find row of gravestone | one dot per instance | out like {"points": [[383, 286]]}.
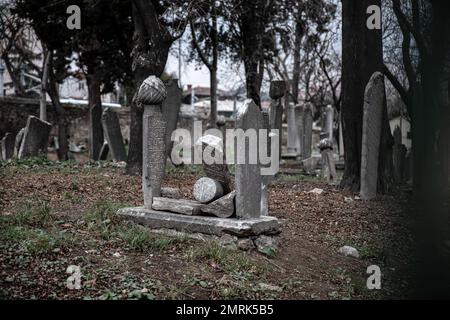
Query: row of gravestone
{"points": [[31, 141]]}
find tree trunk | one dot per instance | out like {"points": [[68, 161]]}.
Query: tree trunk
{"points": [[362, 55], [43, 97], [95, 116], [59, 114], [213, 69], [150, 54], [296, 67]]}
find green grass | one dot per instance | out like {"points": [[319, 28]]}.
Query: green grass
{"points": [[230, 260], [31, 212]]}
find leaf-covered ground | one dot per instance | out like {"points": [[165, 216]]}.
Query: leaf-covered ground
{"points": [[56, 215]]}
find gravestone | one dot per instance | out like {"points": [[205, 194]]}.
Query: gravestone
{"points": [[248, 176], [307, 131], [328, 165], [329, 119], [300, 130], [7, 146], [151, 94], [212, 147], [171, 108], [374, 102], [113, 135], [207, 190], [277, 91], [103, 155], [18, 142], [293, 143], [35, 138]]}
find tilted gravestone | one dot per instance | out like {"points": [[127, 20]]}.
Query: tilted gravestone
{"points": [[374, 102], [151, 94], [307, 131], [7, 146], [113, 135], [171, 108], [18, 142], [248, 175], [35, 138]]}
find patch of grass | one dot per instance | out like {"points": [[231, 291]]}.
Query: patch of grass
{"points": [[31, 212], [102, 218], [230, 260], [33, 241], [140, 239]]}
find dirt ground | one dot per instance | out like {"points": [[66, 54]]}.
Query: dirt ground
{"points": [[57, 215]]}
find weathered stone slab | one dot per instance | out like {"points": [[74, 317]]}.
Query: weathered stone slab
{"points": [[207, 190], [307, 132], [151, 94], [374, 102], [222, 207], [35, 138], [202, 224], [171, 108], [7, 146], [182, 206], [328, 165], [266, 179], [113, 135], [173, 193], [248, 176]]}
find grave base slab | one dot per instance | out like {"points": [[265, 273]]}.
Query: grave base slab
{"points": [[201, 224]]}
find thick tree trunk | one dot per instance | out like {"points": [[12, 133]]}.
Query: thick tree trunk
{"points": [[296, 67], [213, 83], [95, 115], [362, 55], [150, 54]]}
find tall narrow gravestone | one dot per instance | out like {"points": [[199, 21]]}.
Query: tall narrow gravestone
{"points": [[374, 102], [35, 138], [113, 135], [171, 108], [150, 95], [399, 156], [7, 146], [329, 119], [300, 130], [307, 131], [248, 175], [292, 138]]}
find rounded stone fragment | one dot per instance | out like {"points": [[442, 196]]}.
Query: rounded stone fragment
{"points": [[152, 91], [207, 190]]}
